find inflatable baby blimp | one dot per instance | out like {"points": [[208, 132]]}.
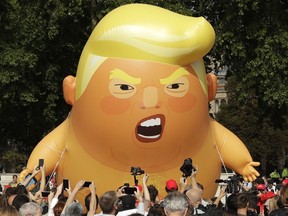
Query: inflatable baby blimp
{"points": [[140, 99]]}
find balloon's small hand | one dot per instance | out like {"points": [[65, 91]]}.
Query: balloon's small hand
{"points": [[249, 172]]}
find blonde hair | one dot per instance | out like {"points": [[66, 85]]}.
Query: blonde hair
{"points": [[142, 32]]}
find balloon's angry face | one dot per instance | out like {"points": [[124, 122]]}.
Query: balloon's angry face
{"points": [[137, 112]]}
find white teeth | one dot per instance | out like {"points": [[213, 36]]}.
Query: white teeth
{"points": [[151, 122], [149, 137]]}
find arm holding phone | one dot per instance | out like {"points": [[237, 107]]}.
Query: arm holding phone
{"points": [[73, 194], [43, 178], [92, 206], [34, 173], [222, 193], [193, 178], [182, 184], [140, 206], [53, 199]]}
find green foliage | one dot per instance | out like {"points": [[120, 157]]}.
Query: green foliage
{"points": [[13, 161]]}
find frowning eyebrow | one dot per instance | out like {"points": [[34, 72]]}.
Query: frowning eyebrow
{"points": [[119, 74], [174, 76]]}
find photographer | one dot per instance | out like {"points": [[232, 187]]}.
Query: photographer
{"points": [[128, 202]]}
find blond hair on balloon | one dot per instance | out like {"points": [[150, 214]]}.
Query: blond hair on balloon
{"points": [[143, 32]]}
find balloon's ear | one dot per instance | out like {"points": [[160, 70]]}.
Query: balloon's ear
{"points": [[212, 86], [69, 84]]}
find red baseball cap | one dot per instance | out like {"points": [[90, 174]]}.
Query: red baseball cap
{"points": [[284, 182], [171, 185], [261, 187]]}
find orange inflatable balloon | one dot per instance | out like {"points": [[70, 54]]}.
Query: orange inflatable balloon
{"points": [[140, 99]]}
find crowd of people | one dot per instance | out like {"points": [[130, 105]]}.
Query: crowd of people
{"points": [[262, 197]]}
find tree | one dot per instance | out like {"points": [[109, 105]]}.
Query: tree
{"points": [[252, 41]]}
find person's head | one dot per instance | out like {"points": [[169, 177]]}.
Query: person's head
{"points": [[15, 177], [128, 202], [194, 197], [19, 200], [21, 189], [284, 182], [153, 193], [9, 211], [231, 203], [242, 201], [258, 181], [175, 203], [214, 212], [30, 208], [201, 188], [74, 209], [8, 190], [156, 210], [58, 208], [87, 201], [284, 195], [108, 202], [261, 188], [171, 185], [279, 212], [146, 78], [252, 200]]}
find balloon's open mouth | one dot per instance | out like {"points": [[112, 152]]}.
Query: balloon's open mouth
{"points": [[150, 129]]}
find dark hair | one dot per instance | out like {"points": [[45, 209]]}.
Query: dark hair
{"points": [[62, 198], [128, 202], [156, 210], [242, 200], [107, 202], [170, 190], [20, 189], [259, 181], [19, 200], [200, 186], [279, 212], [87, 201], [253, 200], [153, 192], [57, 210], [231, 203]]}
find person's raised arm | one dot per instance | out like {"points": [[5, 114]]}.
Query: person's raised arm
{"points": [[193, 177], [43, 178], [73, 194], [92, 205], [140, 207], [222, 193], [146, 192], [182, 184], [26, 181]]}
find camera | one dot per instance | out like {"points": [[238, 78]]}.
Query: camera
{"points": [[136, 171], [187, 167], [129, 190], [232, 183]]}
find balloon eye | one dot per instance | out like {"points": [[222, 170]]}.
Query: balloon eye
{"points": [[175, 86], [178, 88], [125, 87], [121, 89]]}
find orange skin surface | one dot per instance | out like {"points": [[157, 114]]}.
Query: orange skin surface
{"points": [[110, 123], [100, 137]]}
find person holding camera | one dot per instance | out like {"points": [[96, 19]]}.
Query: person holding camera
{"points": [[128, 202]]}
